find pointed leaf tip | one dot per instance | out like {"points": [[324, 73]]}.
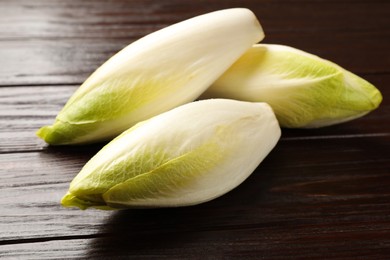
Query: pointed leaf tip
{"points": [[53, 134]]}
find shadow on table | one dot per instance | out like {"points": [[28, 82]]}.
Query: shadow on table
{"points": [[148, 232], [188, 232]]}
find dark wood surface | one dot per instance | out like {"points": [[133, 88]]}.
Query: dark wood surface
{"points": [[321, 194]]}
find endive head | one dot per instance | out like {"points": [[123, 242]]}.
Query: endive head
{"points": [[186, 156], [161, 71], [303, 89]]}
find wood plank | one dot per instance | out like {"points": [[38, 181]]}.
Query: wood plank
{"points": [[35, 62], [335, 182], [23, 110], [32, 185], [71, 61], [337, 243], [69, 249], [130, 19], [67, 40]]}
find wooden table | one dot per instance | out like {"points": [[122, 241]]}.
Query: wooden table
{"points": [[321, 194]]}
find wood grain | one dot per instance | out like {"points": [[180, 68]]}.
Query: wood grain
{"points": [[42, 19], [293, 177], [23, 110], [320, 194], [215, 244], [62, 42]]}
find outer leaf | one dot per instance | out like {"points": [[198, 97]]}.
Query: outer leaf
{"points": [[161, 71], [186, 156], [304, 90]]}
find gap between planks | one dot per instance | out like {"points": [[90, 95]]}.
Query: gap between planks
{"points": [[46, 239]]}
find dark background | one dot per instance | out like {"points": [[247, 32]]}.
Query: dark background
{"points": [[320, 194]]}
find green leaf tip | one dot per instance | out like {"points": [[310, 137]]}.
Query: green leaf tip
{"points": [[70, 200], [52, 135], [56, 134], [365, 89]]}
